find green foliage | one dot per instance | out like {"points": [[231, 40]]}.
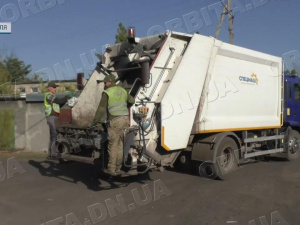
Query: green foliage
{"points": [[12, 70], [66, 87], [43, 86], [16, 68], [7, 129], [70, 87], [294, 72], [121, 35], [36, 77], [5, 78]]}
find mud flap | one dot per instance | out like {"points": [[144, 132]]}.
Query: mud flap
{"points": [[128, 143]]}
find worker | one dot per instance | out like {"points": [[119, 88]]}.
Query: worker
{"points": [[52, 109], [113, 111]]}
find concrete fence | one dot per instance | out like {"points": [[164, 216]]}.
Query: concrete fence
{"points": [[23, 126]]}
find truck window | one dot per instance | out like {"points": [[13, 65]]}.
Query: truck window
{"points": [[297, 92]]}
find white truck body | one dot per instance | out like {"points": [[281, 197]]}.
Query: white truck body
{"points": [[213, 87]]}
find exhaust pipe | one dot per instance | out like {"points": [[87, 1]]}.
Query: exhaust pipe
{"points": [[150, 151], [76, 158], [153, 155]]}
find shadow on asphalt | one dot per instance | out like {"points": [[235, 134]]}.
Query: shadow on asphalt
{"points": [[272, 159], [193, 168], [90, 175]]}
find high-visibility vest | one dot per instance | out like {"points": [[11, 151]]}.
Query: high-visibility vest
{"points": [[48, 107], [117, 101]]}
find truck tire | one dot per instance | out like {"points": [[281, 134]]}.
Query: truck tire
{"points": [[226, 157], [184, 162], [293, 147], [63, 147], [208, 170]]}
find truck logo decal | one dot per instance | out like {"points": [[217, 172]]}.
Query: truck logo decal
{"points": [[253, 79]]}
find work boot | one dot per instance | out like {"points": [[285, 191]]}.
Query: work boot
{"points": [[132, 172], [110, 172], [51, 157], [120, 172]]}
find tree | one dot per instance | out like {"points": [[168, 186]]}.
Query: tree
{"points": [[16, 68], [287, 71], [121, 35], [294, 72], [5, 85], [4, 74], [36, 77]]}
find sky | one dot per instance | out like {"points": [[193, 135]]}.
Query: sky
{"points": [[59, 38]]}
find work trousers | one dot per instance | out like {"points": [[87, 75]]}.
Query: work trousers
{"points": [[52, 121], [115, 142]]}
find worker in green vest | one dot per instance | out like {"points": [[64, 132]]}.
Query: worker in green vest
{"points": [[52, 109], [113, 107]]}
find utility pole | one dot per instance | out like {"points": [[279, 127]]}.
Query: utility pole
{"points": [[230, 22], [227, 10]]}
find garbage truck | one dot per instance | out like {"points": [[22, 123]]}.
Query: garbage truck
{"points": [[198, 101]]}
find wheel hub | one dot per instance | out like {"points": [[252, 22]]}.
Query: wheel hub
{"points": [[183, 159], [293, 146], [225, 158]]}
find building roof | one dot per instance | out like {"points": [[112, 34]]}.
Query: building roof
{"points": [[38, 82], [31, 98]]}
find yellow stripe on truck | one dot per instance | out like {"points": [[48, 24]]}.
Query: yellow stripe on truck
{"points": [[163, 139], [236, 129]]}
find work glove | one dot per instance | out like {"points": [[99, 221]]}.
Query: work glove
{"points": [[70, 95]]}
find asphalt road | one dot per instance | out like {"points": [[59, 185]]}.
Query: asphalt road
{"points": [[50, 193]]}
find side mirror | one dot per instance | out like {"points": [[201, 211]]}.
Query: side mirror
{"points": [[80, 85]]}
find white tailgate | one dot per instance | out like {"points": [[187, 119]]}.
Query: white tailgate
{"points": [[180, 102]]}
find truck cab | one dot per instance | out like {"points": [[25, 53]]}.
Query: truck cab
{"points": [[292, 101]]}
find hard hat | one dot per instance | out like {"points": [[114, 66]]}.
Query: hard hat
{"points": [[52, 84], [109, 78]]}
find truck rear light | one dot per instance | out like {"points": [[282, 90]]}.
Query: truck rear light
{"points": [[80, 81], [131, 32]]}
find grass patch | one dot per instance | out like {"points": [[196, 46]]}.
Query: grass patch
{"points": [[23, 155], [7, 129]]}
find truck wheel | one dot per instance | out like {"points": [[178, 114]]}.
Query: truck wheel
{"points": [[62, 147], [293, 148], [207, 170], [226, 157], [184, 162]]}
